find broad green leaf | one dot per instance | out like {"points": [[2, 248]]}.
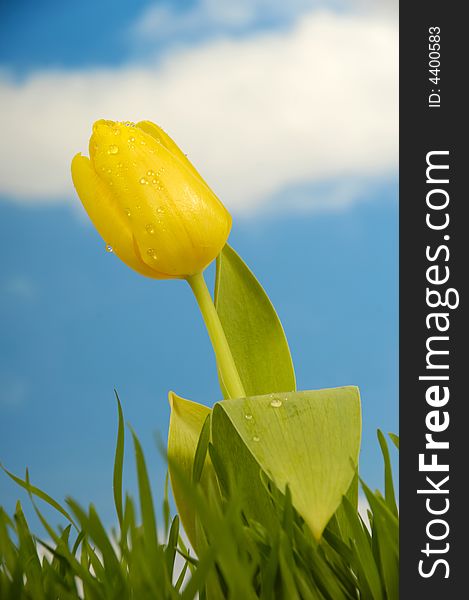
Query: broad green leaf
{"points": [[252, 328], [185, 425], [307, 440], [238, 471]]}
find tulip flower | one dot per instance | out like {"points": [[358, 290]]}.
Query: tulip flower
{"points": [[148, 202]]}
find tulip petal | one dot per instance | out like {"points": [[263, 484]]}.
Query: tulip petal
{"points": [[163, 138], [98, 203], [179, 224]]}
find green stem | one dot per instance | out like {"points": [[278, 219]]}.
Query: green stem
{"points": [[226, 364]]}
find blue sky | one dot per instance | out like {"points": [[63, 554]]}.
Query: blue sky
{"points": [[302, 151]]}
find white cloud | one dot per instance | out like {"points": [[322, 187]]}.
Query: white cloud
{"points": [[167, 20], [256, 115]]}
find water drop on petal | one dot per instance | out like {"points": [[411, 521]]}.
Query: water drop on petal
{"points": [[109, 248], [276, 403]]}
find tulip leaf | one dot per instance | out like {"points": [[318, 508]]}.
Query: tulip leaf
{"points": [[307, 440], [252, 327], [185, 426]]}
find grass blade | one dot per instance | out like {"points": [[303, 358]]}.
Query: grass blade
{"points": [[201, 450], [40, 494], [388, 482], [119, 463], [146, 500]]}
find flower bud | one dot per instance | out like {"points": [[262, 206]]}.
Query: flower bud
{"points": [[148, 202]]}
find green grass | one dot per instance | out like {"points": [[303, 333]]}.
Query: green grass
{"points": [[239, 559]]}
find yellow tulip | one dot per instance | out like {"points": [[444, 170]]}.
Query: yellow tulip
{"points": [[148, 202]]}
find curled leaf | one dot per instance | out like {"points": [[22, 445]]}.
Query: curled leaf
{"points": [[307, 440], [185, 426]]}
